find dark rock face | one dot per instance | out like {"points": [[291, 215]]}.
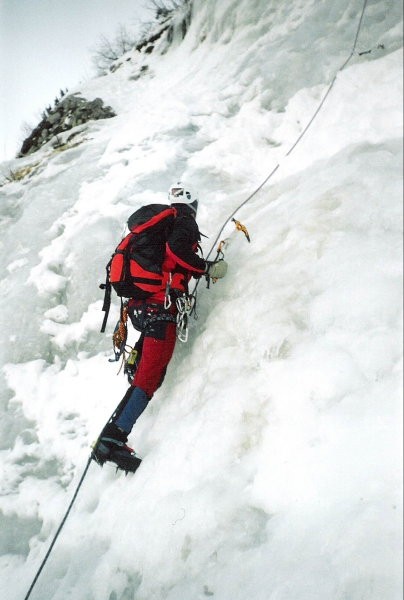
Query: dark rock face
{"points": [[66, 114]]}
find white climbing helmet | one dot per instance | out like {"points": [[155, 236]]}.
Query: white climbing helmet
{"points": [[182, 193]]}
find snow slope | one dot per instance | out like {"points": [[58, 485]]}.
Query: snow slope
{"points": [[272, 460]]}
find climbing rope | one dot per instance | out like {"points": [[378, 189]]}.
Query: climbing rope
{"points": [[302, 134], [231, 216], [59, 529]]}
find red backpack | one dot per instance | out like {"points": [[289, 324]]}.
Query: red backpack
{"points": [[135, 269]]}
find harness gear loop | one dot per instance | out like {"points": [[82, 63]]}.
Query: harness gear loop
{"points": [[120, 334], [130, 360], [185, 305]]}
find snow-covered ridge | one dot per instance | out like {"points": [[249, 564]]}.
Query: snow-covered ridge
{"points": [[271, 454]]}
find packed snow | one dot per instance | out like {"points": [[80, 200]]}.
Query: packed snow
{"points": [[272, 452]]}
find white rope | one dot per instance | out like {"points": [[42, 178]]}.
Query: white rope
{"points": [[302, 134]]}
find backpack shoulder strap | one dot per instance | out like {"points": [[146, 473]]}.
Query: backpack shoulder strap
{"points": [[148, 216]]}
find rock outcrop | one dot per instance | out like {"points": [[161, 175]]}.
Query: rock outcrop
{"points": [[67, 113]]}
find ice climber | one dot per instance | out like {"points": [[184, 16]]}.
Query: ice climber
{"points": [[157, 323]]}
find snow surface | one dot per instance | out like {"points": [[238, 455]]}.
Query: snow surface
{"points": [[272, 458]]}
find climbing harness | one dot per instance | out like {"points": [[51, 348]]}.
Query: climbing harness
{"points": [[142, 317], [146, 314], [162, 317], [193, 295]]}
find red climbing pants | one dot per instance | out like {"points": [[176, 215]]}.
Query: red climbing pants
{"points": [[157, 350]]}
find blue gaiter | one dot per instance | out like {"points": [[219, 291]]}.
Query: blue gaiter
{"points": [[134, 407]]}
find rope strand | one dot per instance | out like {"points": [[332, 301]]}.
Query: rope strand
{"points": [[301, 135], [58, 530]]}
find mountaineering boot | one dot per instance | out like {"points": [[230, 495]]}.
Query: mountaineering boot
{"points": [[111, 446]]}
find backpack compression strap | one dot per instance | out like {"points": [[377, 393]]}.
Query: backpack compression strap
{"points": [[107, 297]]}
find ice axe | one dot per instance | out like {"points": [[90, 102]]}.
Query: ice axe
{"points": [[223, 243]]}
